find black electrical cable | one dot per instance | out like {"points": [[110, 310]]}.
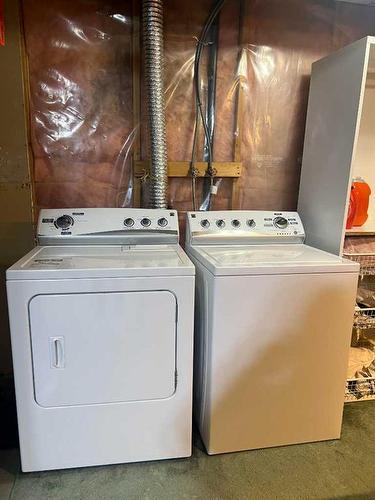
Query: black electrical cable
{"points": [[198, 52], [198, 102], [192, 164], [212, 49]]}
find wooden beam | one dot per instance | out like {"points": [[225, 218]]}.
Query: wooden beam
{"points": [[136, 98], [182, 168]]}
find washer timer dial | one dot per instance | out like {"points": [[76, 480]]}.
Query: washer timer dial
{"points": [[280, 222]]}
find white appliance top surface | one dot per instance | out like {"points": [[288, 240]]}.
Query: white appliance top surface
{"points": [[269, 259], [109, 261]]}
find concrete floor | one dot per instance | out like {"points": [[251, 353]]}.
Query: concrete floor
{"points": [[336, 469]]}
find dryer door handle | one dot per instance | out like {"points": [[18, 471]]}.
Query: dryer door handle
{"points": [[57, 352]]}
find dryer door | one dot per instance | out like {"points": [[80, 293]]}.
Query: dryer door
{"points": [[92, 348]]}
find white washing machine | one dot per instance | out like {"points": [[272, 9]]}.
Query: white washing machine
{"points": [[273, 326], [102, 337]]}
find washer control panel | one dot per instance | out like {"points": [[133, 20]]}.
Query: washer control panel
{"points": [[107, 225], [244, 226]]}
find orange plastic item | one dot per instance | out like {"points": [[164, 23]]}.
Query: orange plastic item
{"points": [[361, 191], [351, 210]]}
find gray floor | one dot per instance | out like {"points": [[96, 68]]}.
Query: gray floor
{"points": [[336, 469]]}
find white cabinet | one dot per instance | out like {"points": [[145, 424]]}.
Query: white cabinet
{"points": [[339, 143]]}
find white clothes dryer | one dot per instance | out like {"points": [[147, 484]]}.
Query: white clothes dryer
{"points": [[273, 326], [101, 328]]}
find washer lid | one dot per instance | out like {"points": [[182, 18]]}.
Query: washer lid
{"points": [[269, 259], [58, 262]]}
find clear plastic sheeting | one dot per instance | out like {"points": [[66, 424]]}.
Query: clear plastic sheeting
{"points": [[85, 127], [79, 57]]}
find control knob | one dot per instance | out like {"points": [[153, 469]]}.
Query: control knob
{"points": [[145, 222], [280, 222], [205, 223], [64, 222], [220, 223], [236, 223], [162, 222], [129, 222], [251, 223]]}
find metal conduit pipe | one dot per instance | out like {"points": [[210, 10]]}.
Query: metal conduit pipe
{"points": [[153, 44]]}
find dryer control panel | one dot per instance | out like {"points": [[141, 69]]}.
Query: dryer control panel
{"points": [[243, 227], [93, 226]]}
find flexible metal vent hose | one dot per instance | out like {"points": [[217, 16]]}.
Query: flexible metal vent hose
{"points": [[152, 12]]}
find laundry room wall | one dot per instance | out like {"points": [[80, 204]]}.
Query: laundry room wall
{"points": [[16, 229], [84, 124]]}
